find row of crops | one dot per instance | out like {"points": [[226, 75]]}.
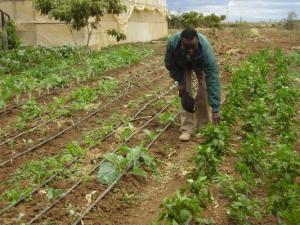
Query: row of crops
{"points": [[73, 167], [34, 113], [40, 69], [261, 103], [36, 172], [45, 179]]}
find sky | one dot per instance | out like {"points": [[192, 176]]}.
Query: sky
{"points": [[251, 10]]}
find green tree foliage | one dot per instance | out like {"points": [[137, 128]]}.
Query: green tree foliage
{"points": [[13, 40], [192, 19], [78, 13], [290, 22], [213, 21], [195, 19]]}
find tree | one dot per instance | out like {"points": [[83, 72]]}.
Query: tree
{"points": [[79, 13], [195, 19], [174, 21], [290, 21], [13, 39], [4, 30], [191, 19], [213, 21]]}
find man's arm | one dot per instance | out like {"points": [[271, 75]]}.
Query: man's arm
{"points": [[175, 73], [212, 76]]}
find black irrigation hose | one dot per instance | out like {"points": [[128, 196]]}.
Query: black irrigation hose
{"points": [[22, 198], [97, 166], [111, 186], [39, 97], [52, 119], [72, 126], [21, 104], [29, 130]]}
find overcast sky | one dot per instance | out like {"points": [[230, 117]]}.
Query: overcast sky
{"points": [[252, 10]]}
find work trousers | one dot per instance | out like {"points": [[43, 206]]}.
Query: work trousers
{"points": [[190, 122]]}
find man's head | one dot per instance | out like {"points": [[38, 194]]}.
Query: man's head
{"points": [[189, 40]]}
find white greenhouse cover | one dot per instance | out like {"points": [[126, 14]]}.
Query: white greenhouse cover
{"points": [[145, 20]]}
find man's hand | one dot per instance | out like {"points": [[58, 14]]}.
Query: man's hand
{"points": [[216, 117]]}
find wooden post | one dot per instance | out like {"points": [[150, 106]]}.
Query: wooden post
{"points": [[4, 31]]}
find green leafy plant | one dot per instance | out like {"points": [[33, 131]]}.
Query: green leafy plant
{"points": [[283, 197], [166, 118], [125, 132], [243, 208], [180, 209], [36, 171], [14, 195], [13, 40], [150, 134], [117, 163], [252, 154], [290, 216], [82, 98], [107, 87], [232, 187], [199, 187], [256, 116], [49, 221], [29, 111], [206, 161], [74, 149], [92, 137], [159, 103], [285, 165], [58, 107], [216, 137]]}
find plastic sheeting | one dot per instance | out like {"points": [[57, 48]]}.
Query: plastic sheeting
{"points": [[145, 20]]}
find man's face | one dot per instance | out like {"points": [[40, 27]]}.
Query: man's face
{"points": [[190, 46]]}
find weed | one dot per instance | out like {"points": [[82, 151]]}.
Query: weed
{"points": [[166, 118], [150, 134], [13, 195], [30, 110], [82, 98], [107, 87], [74, 149]]}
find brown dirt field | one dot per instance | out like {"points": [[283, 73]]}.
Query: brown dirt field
{"points": [[57, 144], [136, 201]]}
